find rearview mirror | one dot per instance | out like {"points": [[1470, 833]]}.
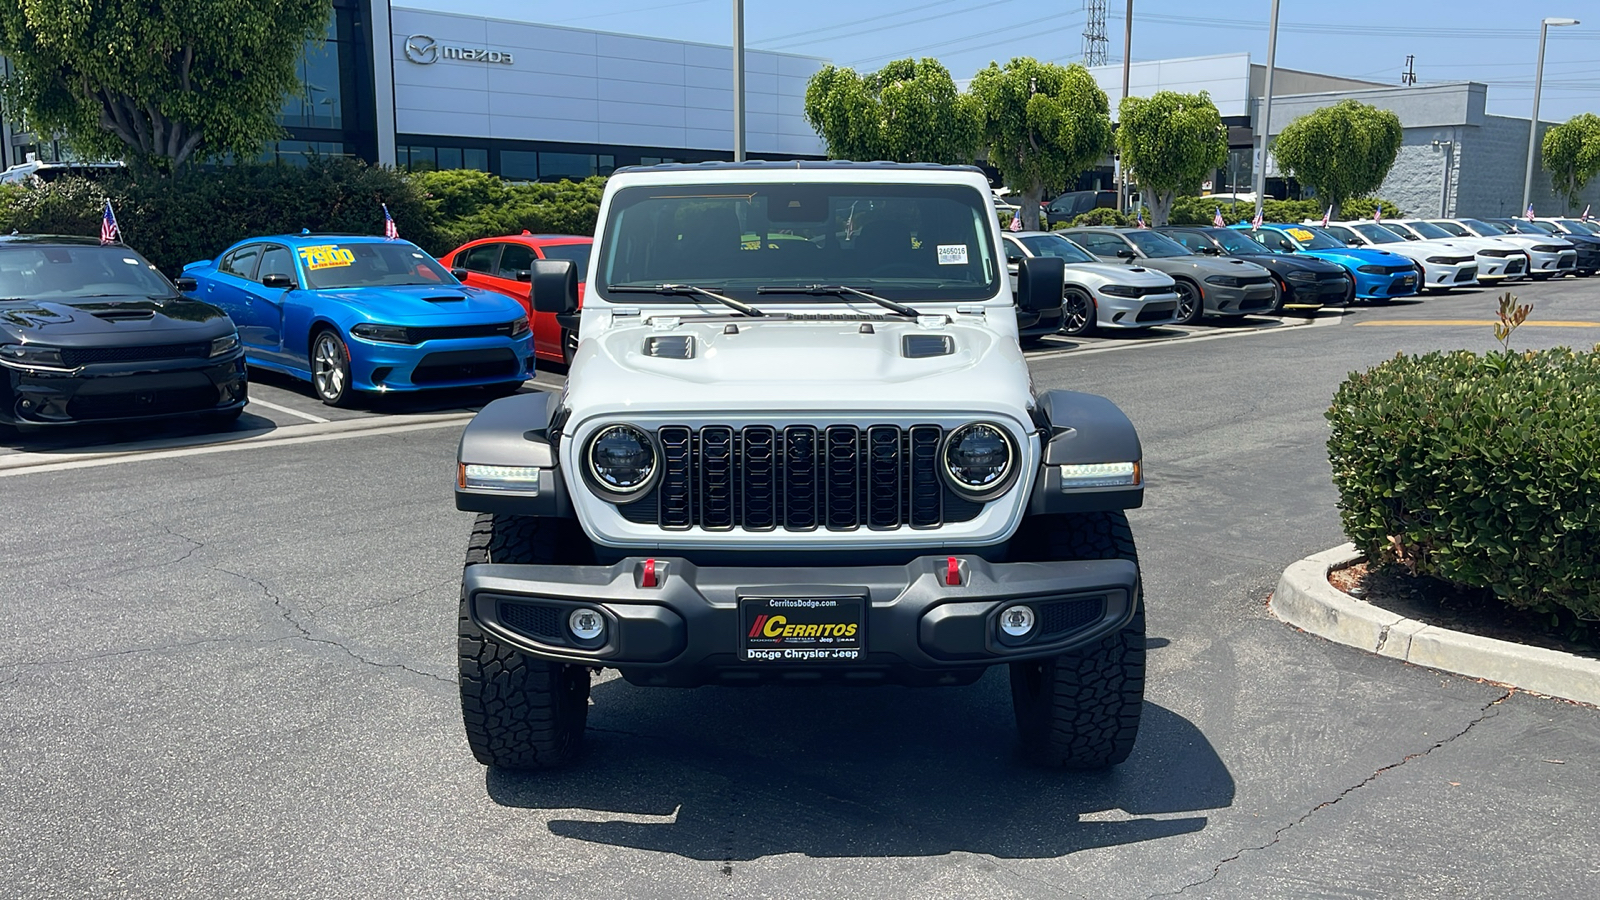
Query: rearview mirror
{"points": [[555, 286], [277, 281], [1039, 283]]}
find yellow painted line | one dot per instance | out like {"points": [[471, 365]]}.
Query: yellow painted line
{"points": [[1406, 322]]}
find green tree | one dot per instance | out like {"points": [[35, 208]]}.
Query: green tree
{"points": [[1042, 124], [1340, 151], [158, 84], [908, 111], [1169, 143], [1570, 152]]}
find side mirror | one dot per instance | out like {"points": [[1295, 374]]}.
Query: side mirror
{"points": [[1039, 281], [459, 273], [524, 275], [555, 286], [277, 280], [186, 284], [1126, 254], [1410, 237], [1352, 243], [1210, 251]]}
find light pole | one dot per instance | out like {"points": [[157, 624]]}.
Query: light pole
{"points": [[1444, 193], [1533, 125], [738, 80], [1127, 58], [1260, 180]]}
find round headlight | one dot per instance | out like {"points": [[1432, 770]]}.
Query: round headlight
{"points": [[622, 459], [979, 459]]}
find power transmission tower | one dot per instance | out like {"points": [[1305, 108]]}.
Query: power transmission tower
{"points": [[1409, 76], [1095, 41]]}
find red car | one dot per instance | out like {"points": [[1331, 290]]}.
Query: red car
{"points": [[493, 263]]}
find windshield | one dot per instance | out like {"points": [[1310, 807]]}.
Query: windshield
{"points": [[1452, 228], [1237, 242], [1577, 227], [1156, 246], [1057, 246], [929, 242], [1534, 228], [1313, 238], [1483, 227], [37, 272], [370, 264], [1431, 231], [1377, 234], [577, 254]]}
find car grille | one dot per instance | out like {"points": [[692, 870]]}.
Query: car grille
{"points": [[452, 332], [1567, 262], [1397, 270], [1470, 273], [464, 365], [800, 478], [1066, 616], [1253, 280], [142, 403], [72, 357], [1513, 266]]}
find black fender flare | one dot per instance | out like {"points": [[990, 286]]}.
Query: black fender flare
{"points": [[1078, 429], [520, 430]]}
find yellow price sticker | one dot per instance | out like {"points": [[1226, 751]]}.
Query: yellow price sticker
{"points": [[326, 256], [1300, 234]]}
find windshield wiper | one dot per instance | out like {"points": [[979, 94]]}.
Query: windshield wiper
{"points": [[842, 290], [692, 290]]}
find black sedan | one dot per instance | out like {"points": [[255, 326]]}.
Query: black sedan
{"points": [[91, 332], [1304, 284]]}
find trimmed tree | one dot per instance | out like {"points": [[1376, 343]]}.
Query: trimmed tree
{"points": [[1170, 142], [908, 111], [1340, 151], [158, 84], [1043, 124], [1570, 153]]}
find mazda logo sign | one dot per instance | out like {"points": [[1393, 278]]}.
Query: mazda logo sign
{"points": [[422, 49]]}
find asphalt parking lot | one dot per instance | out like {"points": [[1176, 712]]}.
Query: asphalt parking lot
{"points": [[227, 670]]}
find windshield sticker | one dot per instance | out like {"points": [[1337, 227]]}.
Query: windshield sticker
{"points": [[326, 256], [1300, 234], [952, 254]]}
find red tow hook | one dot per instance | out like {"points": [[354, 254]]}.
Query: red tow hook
{"points": [[952, 573], [648, 578]]}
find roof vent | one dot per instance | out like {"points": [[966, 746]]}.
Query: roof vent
{"points": [[922, 346], [672, 346]]}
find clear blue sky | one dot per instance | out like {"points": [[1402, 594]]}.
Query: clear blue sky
{"points": [[1492, 41]]}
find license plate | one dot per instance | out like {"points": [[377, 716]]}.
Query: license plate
{"points": [[802, 629], [1409, 280]]}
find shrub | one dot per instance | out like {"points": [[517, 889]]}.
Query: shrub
{"points": [[1479, 470], [1100, 216], [1199, 210], [1362, 207]]}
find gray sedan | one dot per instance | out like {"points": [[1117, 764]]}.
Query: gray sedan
{"points": [[1207, 285]]}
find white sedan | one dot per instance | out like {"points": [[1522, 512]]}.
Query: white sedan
{"points": [[1098, 294], [1498, 260], [1547, 256], [1443, 266]]}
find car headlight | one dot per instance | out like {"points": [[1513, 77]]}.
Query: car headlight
{"points": [[1370, 270], [225, 344], [621, 460], [979, 459], [519, 327], [1548, 248], [1101, 475], [1222, 280], [1120, 290], [31, 355], [1441, 260], [388, 334]]}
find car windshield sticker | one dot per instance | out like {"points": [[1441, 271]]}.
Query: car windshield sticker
{"points": [[952, 254], [326, 256], [1300, 234]]}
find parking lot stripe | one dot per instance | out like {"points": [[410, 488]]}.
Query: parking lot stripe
{"points": [[256, 401], [1408, 323]]}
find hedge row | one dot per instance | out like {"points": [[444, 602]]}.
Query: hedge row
{"points": [[195, 215], [1483, 471], [1200, 210]]}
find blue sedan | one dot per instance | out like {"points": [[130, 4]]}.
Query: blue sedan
{"points": [[350, 313], [1379, 275]]}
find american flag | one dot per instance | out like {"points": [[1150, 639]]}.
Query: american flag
{"points": [[1016, 221], [109, 232], [1141, 218], [1217, 220], [1377, 212], [390, 232], [1256, 222], [1529, 213], [1326, 216], [1585, 216]]}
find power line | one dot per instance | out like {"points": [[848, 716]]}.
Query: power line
{"points": [[888, 15], [1029, 26], [890, 27]]}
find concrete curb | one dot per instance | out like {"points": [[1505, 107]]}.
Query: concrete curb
{"points": [[1306, 600]]}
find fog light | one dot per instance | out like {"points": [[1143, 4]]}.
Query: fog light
{"points": [[1016, 621], [586, 624]]}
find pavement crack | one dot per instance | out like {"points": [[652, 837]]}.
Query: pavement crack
{"points": [[163, 648], [183, 537], [1486, 712]]}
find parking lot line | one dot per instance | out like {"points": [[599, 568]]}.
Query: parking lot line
{"points": [[1425, 322], [1111, 346], [257, 401]]}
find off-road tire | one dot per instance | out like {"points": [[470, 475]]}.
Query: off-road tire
{"points": [[1080, 710], [519, 712]]}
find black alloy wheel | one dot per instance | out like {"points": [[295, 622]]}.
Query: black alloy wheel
{"points": [[1191, 305], [1077, 312]]}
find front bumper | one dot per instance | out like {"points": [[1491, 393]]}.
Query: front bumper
{"points": [[1545, 263], [1372, 287], [122, 392], [1135, 312], [1500, 268], [1221, 300], [1324, 292], [1441, 275], [446, 363], [687, 630]]}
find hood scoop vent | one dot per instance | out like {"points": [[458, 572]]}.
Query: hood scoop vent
{"points": [[922, 346], [671, 346], [117, 315], [446, 298]]}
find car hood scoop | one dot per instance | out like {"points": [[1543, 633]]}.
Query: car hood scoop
{"points": [[115, 314]]}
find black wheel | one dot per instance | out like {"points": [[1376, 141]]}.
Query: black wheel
{"points": [[1077, 312], [1191, 306], [1081, 710], [330, 369], [519, 712], [1280, 296]]}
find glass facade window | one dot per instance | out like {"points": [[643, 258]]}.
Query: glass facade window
{"points": [[416, 158], [318, 97], [474, 158], [573, 166], [519, 165], [297, 153]]}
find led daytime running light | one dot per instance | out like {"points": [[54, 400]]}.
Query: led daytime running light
{"points": [[1101, 475], [503, 479]]}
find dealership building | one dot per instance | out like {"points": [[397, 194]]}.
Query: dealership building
{"points": [[1455, 158], [420, 88]]}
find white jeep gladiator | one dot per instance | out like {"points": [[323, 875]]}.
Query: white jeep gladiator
{"points": [[798, 443]]}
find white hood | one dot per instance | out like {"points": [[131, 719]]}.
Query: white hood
{"points": [[1101, 274]]}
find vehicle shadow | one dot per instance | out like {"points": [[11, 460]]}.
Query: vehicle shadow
{"points": [[185, 430], [739, 774], [396, 404]]}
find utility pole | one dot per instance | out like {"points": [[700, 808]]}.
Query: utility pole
{"points": [[738, 80], [1095, 42], [1409, 76], [1127, 58], [1533, 124], [1266, 111]]}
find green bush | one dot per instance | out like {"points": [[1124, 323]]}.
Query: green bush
{"points": [[466, 205], [1362, 207], [1199, 210], [1101, 216], [1483, 471]]}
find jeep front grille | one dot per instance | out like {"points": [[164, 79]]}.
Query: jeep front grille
{"points": [[800, 478]]}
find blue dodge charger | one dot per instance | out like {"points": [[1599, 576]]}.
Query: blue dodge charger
{"points": [[350, 313]]}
